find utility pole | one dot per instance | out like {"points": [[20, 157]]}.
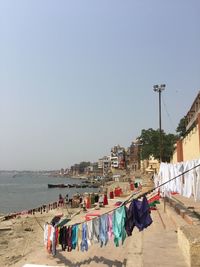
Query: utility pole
{"points": [[159, 89]]}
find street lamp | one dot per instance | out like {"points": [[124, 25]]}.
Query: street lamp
{"points": [[159, 89]]}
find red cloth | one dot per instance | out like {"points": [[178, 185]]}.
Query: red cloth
{"points": [[111, 194], [88, 203], [153, 208], [89, 215], [118, 203], [116, 192], [154, 198], [105, 200], [174, 193], [132, 186]]}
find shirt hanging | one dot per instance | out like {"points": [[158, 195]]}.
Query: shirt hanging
{"points": [[119, 231]]}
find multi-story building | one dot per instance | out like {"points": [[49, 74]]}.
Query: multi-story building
{"points": [[134, 155], [118, 157], [89, 170], [114, 162], [104, 164], [100, 163], [95, 170], [188, 147]]}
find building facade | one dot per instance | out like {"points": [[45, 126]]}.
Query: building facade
{"points": [[188, 147], [118, 157], [104, 164], [134, 156]]}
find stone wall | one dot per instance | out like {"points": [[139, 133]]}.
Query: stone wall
{"points": [[189, 243], [189, 146]]}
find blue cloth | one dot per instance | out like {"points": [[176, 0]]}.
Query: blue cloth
{"points": [[103, 229], [84, 243], [138, 214], [74, 236]]}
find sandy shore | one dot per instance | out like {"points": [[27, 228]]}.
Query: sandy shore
{"points": [[21, 238]]}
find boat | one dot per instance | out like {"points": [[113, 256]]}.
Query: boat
{"points": [[57, 185], [85, 182], [73, 185]]}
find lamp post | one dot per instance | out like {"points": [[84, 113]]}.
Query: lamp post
{"points": [[159, 89]]}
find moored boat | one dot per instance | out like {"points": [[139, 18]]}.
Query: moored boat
{"points": [[57, 185], [73, 185]]}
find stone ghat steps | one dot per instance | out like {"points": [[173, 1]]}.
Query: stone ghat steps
{"points": [[190, 213], [185, 215]]}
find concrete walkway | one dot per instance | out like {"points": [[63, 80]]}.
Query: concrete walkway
{"points": [[157, 246]]}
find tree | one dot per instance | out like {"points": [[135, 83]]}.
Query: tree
{"points": [[83, 165], [181, 129], [150, 140], [168, 146]]}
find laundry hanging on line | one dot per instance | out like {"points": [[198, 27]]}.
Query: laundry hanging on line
{"points": [[169, 184], [188, 184], [113, 226]]}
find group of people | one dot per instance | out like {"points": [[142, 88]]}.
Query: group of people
{"points": [[84, 201], [62, 201]]}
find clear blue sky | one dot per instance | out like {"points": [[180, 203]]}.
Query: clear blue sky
{"points": [[76, 77]]}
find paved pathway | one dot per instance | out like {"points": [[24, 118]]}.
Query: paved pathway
{"points": [[160, 247]]}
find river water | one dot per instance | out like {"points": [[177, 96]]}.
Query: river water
{"points": [[28, 190]]}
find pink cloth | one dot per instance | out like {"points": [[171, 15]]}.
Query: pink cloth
{"points": [[110, 230]]}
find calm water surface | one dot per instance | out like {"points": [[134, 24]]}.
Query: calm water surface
{"points": [[29, 190]]}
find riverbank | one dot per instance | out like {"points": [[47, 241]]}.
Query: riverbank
{"points": [[21, 237]]}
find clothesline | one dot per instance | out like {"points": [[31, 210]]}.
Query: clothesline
{"points": [[135, 193], [103, 227], [118, 224], [143, 194]]}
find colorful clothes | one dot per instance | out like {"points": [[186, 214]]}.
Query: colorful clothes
{"points": [[84, 243], [119, 231], [95, 223], [103, 229], [74, 236], [110, 227]]}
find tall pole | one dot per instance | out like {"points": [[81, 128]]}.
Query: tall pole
{"points": [[160, 126], [159, 89]]}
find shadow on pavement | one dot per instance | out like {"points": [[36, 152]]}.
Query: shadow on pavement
{"points": [[115, 263]]}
